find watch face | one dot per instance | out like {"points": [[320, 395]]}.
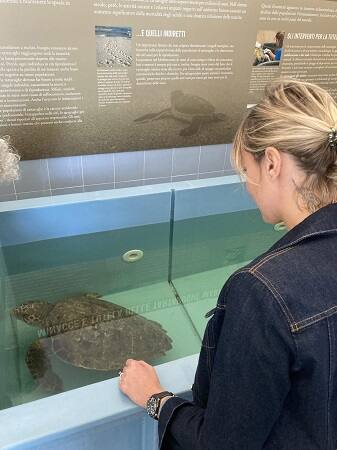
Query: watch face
{"points": [[152, 405]]}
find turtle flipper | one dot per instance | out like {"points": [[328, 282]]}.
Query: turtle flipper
{"points": [[220, 117], [194, 127], [154, 116], [40, 368], [146, 117]]}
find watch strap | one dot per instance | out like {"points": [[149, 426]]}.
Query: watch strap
{"points": [[162, 394], [157, 397]]}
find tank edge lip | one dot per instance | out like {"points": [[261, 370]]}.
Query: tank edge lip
{"points": [[80, 408]]}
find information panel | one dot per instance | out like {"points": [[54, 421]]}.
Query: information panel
{"points": [[84, 76]]}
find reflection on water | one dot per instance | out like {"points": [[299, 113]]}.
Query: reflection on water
{"points": [[57, 334]]}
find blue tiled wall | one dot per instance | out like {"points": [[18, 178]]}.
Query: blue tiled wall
{"points": [[55, 176]]}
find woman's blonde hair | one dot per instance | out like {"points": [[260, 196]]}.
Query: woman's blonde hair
{"points": [[9, 161], [296, 118]]}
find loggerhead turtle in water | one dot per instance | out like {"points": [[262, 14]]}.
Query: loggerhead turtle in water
{"points": [[88, 332], [188, 108]]}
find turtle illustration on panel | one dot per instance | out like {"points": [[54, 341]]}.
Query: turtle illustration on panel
{"points": [[87, 331], [188, 108]]}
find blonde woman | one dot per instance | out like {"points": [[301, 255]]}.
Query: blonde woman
{"points": [[267, 372], [9, 161]]}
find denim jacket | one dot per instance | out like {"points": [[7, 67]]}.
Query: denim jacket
{"points": [[267, 371]]}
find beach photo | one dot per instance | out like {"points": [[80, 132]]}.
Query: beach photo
{"points": [[113, 46]]}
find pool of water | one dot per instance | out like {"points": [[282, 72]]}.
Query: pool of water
{"points": [[177, 281]]}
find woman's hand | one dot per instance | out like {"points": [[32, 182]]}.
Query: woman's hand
{"points": [[139, 381]]}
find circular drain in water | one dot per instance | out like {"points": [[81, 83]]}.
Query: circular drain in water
{"points": [[133, 255]]}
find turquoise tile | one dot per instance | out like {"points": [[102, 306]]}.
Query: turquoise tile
{"points": [[99, 187], [129, 166], [158, 163], [150, 181], [211, 174], [228, 166], [33, 194], [126, 184], [7, 188], [65, 172], [67, 191], [212, 158], [191, 176], [33, 176], [98, 169], [185, 160], [7, 197]]}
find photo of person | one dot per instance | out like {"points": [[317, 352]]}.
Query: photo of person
{"points": [[268, 48]]}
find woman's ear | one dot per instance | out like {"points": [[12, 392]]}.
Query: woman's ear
{"points": [[272, 162]]}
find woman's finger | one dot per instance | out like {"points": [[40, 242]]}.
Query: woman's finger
{"points": [[143, 363], [128, 362]]}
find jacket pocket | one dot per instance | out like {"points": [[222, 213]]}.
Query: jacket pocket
{"points": [[208, 339]]}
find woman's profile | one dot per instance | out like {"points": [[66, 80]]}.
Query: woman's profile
{"points": [[267, 371], [277, 54]]}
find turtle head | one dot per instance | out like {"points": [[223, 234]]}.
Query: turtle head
{"points": [[176, 94], [32, 313]]}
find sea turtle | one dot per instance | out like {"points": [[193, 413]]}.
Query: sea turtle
{"points": [[188, 108], [87, 331]]}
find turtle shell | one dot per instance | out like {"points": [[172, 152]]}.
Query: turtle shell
{"points": [[190, 104], [89, 332]]}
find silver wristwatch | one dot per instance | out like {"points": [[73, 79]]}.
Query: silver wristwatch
{"points": [[153, 403]]}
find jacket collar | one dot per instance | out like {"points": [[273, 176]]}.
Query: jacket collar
{"points": [[321, 222]]}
